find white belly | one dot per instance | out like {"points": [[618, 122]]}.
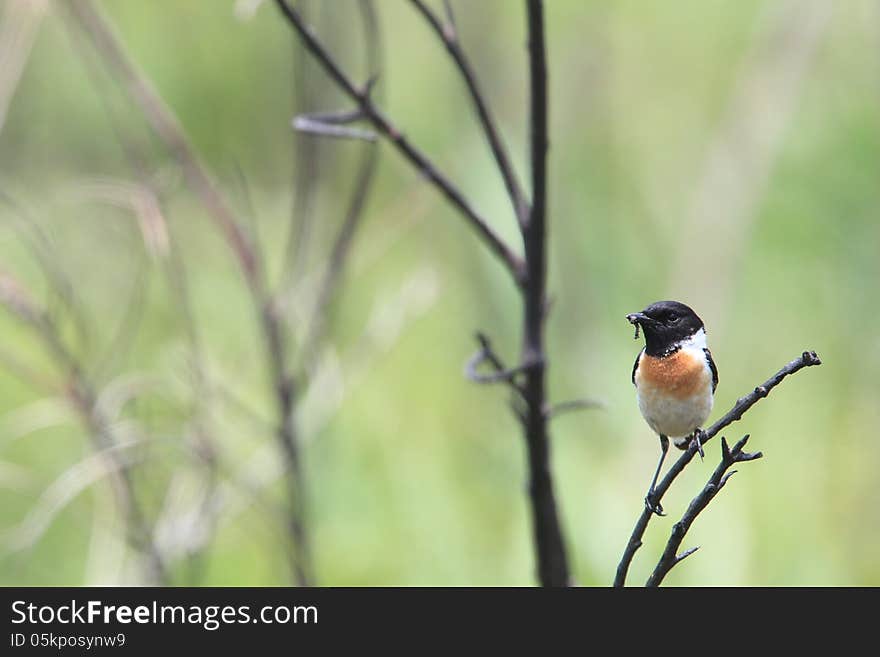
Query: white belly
{"points": [[672, 417]]}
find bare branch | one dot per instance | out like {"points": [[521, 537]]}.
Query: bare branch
{"points": [[743, 404], [419, 160], [447, 33], [669, 559]]}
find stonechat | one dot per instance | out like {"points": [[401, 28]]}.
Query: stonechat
{"points": [[675, 378]]}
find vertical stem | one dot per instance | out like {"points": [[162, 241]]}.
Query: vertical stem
{"points": [[552, 562], [283, 384]]}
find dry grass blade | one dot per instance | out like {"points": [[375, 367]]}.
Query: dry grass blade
{"points": [[65, 488], [132, 197]]}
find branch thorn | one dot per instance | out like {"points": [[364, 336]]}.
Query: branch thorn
{"points": [[725, 478], [684, 555]]}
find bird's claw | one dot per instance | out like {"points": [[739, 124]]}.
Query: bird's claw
{"points": [[699, 438], [653, 507]]}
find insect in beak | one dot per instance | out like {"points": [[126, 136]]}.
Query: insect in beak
{"points": [[635, 319]]}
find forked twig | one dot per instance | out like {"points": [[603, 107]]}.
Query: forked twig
{"points": [[501, 374], [670, 557]]}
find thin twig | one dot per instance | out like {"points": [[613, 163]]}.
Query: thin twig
{"points": [[670, 557], [554, 410], [501, 374], [743, 404], [338, 117], [284, 388], [311, 126], [361, 96], [449, 36]]}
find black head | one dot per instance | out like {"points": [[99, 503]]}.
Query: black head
{"points": [[665, 324]]}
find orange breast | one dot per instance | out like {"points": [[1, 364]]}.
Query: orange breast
{"points": [[681, 375]]}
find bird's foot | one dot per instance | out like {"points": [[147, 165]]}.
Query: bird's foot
{"points": [[699, 438], [652, 506]]}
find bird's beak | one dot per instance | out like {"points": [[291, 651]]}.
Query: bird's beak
{"points": [[638, 318]]}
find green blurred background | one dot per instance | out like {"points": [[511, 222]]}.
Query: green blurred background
{"points": [[724, 154]]}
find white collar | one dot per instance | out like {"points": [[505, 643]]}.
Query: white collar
{"points": [[696, 341]]}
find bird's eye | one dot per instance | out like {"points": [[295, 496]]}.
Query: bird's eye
{"points": [[673, 318]]}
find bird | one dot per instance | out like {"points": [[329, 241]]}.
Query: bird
{"points": [[675, 379]]}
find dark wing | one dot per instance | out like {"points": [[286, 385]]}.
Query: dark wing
{"points": [[636, 366], [711, 367]]}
